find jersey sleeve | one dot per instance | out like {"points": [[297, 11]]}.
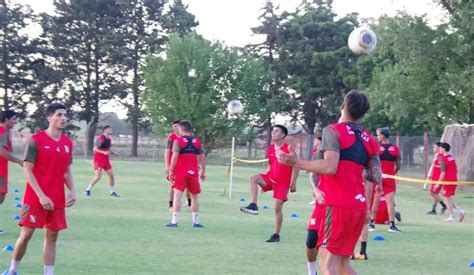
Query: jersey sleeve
{"points": [[99, 141], [396, 151], [169, 142], [330, 140], [31, 151], [4, 139]]}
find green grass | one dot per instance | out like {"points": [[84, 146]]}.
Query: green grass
{"points": [[126, 235]]}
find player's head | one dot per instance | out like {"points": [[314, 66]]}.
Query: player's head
{"points": [[185, 127], [175, 126], [107, 129], [57, 115], [8, 118], [355, 105], [436, 147], [383, 134], [445, 147], [279, 132]]}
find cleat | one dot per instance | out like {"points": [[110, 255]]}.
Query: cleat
{"points": [[275, 238], [371, 227], [433, 212], [449, 219], [1, 231], [394, 229], [398, 216], [312, 203], [172, 225], [250, 209], [461, 216], [360, 257], [198, 225], [114, 194], [87, 193], [443, 210], [8, 272]]}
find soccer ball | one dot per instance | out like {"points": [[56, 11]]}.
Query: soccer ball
{"points": [[362, 40], [192, 73], [235, 107]]}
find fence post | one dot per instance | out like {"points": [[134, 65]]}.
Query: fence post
{"points": [[231, 173], [425, 153]]}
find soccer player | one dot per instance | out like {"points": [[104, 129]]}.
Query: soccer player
{"points": [[102, 152], [185, 172], [8, 120], [168, 154], [434, 175], [280, 178], [449, 172], [46, 166], [369, 187], [347, 148], [390, 161]]}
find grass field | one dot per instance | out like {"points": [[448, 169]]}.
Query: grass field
{"points": [[126, 235]]}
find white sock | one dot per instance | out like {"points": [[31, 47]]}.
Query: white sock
{"points": [[196, 219], [89, 187], [48, 269], [311, 268], [175, 217], [13, 265], [112, 189]]}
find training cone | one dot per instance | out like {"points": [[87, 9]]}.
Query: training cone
{"points": [[294, 216], [8, 248], [16, 190], [16, 218], [18, 205], [265, 207], [242, 199], [379, 238], [471, 265], [17, 198]]}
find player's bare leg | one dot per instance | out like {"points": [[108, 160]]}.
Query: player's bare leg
{"points": [[254, 182], [459, 209], [362, 255], [49, 250], [329, 263], [20, 248], [436, 200], [171, 197], [345, 267], [2, 197], [390, 199], [278, 221], [176, 208], [110, 173], [188, 197], [450, 209], [195, 211], [94, 181], [375, 206], [311, 251]]}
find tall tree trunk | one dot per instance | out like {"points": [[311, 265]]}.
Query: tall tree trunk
{"points": [[268, 127], [6, 102], [135, 114]]}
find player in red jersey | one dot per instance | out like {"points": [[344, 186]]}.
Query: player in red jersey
{"points": [[390, 162], [449, 172], [434, 175], [347, 148], [46, 166], [187, 166], [280, 178], [8, 120], [102, 152], [168, 154]]}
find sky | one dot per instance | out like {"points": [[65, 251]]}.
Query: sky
{"points": [[230, 20]]}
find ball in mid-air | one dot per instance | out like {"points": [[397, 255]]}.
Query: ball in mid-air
{"points": [[192, 73], [235, 107], [362, 40]]}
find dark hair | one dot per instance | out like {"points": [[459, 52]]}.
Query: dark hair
{"points": [[319, 138], [384, 131], [7, 114], [357, 104], [283, 128], [105, 127], [446, 146], [186, 125], [177, 121], [438, 143], [53, 107]]}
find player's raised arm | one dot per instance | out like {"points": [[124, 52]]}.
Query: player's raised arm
{"points": [[31, 153]]}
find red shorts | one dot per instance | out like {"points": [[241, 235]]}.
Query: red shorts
{"points": [[382, 212], [280, 190], [389, 186], [3, 184], [449, 190], [191, 183], [435, 188], [102, 164], [37, 217], [340, 229], [316, 217]]}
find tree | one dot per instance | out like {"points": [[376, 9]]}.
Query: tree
{"points": [[178, 20], [222, 74], [85, 46], [319, 65], [17, 54]]}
